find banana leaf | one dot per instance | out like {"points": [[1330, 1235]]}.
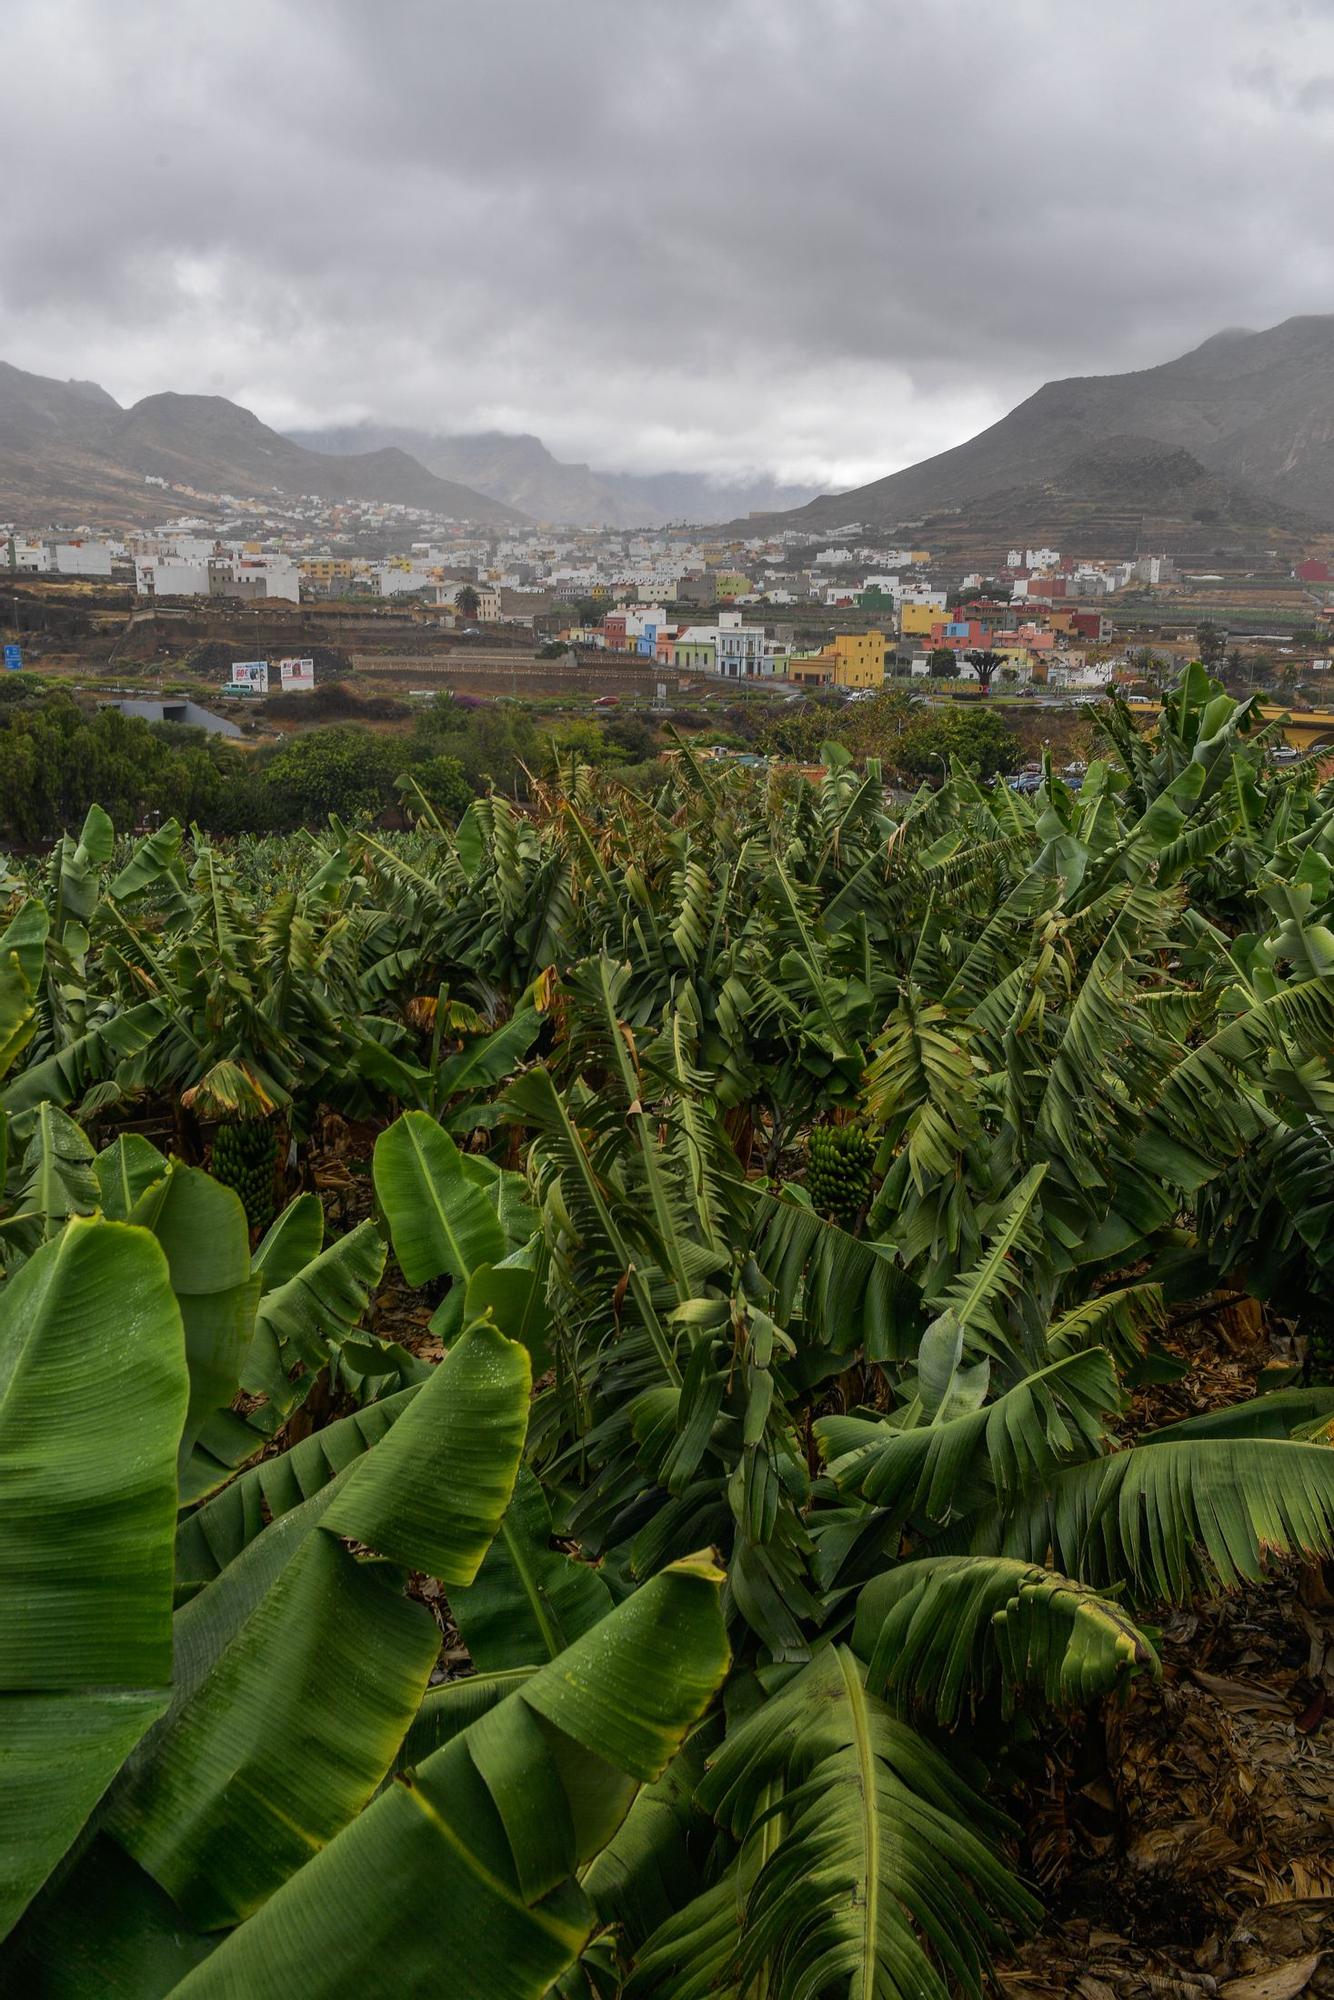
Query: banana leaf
{"points": [[86, 1555], [473, 1854]]}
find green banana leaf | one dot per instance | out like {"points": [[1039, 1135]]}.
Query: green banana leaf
{"points": [[201, 1226], [439, 1219], [473, 1854], [454, 1706], [285, 1740], [17, 1010], [215, 1534], [293, 1240], [514, 1293], [86, 1554], [299, 1319], [25, 937], [126, 1169], [529, 1601], [57, 1178], [436, 1499], [303, 1665], [105, 1931]]}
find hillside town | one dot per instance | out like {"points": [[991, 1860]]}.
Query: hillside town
{"points": [[843, 614]]}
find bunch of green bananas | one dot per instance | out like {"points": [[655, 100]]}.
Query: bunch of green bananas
{"points": [[1320, 1353], [839, 1160], [245, 1157]]}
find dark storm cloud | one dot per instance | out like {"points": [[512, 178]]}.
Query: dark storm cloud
{"points": [[823, 235]]}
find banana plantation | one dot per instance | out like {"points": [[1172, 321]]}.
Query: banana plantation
{"points": [[795, 1195]]}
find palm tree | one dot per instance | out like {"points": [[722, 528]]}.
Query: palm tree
{"points": [[984, 665], [467, 603]]}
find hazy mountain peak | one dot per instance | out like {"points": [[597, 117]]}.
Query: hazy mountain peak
{"points": [[517, 467]]}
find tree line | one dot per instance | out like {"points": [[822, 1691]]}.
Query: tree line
{"points": [[58, 756]]}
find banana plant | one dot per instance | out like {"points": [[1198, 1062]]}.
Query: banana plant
{"points": [[211, 1786], [1086, 1040]]}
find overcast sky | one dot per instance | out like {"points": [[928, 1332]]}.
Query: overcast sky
{"points": [[823, 237]]}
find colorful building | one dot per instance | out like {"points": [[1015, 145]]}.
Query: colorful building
{"points": [[324, 570], [962, 635], [916, 620], [850, 660]]}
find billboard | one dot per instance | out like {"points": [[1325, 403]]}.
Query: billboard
{"points": [[297, 676], [253, 675]]}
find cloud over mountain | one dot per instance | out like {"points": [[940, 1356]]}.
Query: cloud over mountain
{"points": [[819, 240]]}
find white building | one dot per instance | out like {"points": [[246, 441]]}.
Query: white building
{"points": [[741, 652], [31, 558], [177, 547], [487, 595], [82, 558], [278, 574], [171, 576], [395, 580], [1073, 669], [177, 573]]}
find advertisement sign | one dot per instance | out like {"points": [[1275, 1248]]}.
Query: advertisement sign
{"points": [[297, 676], [13, 658], [253, 675]]}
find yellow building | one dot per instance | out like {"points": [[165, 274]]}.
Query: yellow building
{"points": [[850, 660], [324, 569], [916, 620]]}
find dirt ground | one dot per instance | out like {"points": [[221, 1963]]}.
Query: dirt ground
{"points": [[1184, 1843]]}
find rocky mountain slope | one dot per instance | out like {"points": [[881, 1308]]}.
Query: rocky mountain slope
{"points": [[67, 449], [1254, 412]]}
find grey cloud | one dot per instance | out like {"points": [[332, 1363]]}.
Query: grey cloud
{"points": [[826, 236]]}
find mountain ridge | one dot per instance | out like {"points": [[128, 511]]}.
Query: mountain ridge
{"points": [[71, 444], [1254, 410], [517, 467]]}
